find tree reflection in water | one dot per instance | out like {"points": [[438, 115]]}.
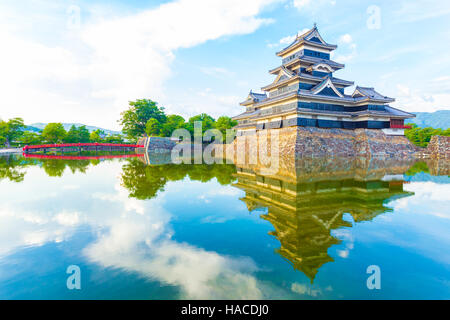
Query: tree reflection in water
{"points": [[13, 167], [144, 181]]}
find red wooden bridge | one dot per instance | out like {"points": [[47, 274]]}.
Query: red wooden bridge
{"points": [[71, 147], [109, 156]]}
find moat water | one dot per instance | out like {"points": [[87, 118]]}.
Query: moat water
{"points": [[165, 231]]}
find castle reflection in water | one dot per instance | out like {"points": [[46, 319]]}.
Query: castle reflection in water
{"points": [[306, 208]]}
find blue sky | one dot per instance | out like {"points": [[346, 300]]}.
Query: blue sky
{"points": [[81, 61]]}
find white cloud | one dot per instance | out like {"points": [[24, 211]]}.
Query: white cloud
{"points": [[439, 79], [345, 38], [90, 74], [343, 253], [310, 5], [67, 218], [419, 10], [403, 91], [306, 289], [397, 53], [434, 195], [130, 204], [285, 41], [416, 101], [346, 45], [208, 101], [216, 71], [300, 4]]}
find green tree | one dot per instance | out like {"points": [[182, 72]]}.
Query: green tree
{"points": [[115, 138], [153, 127], [83, 134], [11, 131], [77, 134], [3, 132], [206, 120], [172, 123], [54, 133], [224, 123], [72, 135], [97, 135], [422, 136], [30, 138], [134, 120]]}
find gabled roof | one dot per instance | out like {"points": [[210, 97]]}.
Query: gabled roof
{"points": [[284, 71], [257, 96], [399, 113], [287, 72], [327, 83], [370, 93], [245, 114], [284, 75], [313, 60], [254, 98], [311, 37]]}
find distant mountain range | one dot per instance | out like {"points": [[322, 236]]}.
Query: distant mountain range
{"points": [[437, 119], [37, 127]]}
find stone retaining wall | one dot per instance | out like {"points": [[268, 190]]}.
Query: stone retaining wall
{"points": [[319, 142], [156, 144], [299, 142], [439, 147]]}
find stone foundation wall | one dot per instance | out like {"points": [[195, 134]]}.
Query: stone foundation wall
{"points": [[374, 143], [319, 142], [155, 145], [439, 147], [369, 143], [299, 142]]}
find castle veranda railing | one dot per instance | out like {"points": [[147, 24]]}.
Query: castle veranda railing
{"points": [[273, 111], [284, 90], [278, 109]]}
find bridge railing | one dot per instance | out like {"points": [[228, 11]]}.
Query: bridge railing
{"points": [[93, 144], [45, 156]]}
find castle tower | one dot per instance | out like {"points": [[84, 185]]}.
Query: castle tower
{"points": [[305, 92]]}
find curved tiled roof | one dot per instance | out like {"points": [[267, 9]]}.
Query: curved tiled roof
{"points": [[371, 93], [258, 96], [306, 37]]}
